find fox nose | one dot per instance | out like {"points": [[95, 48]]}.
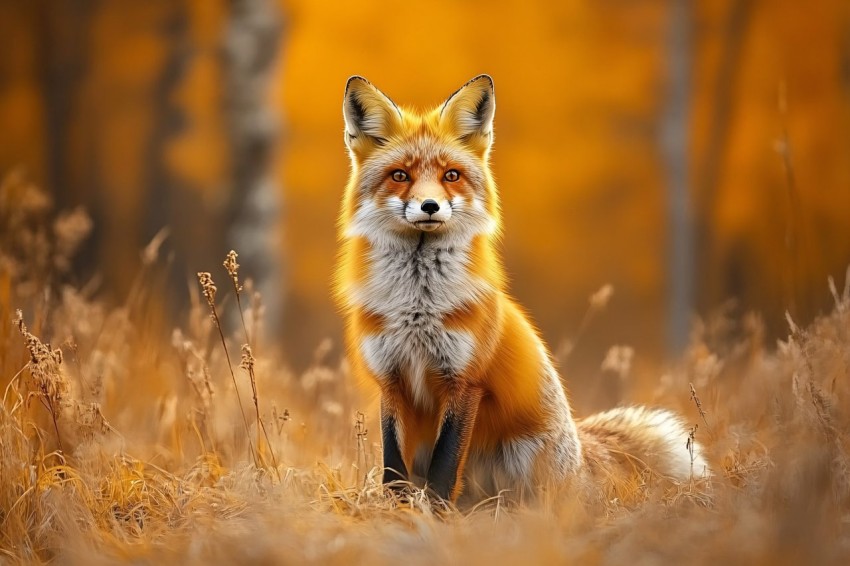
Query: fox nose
{"points": [[430, 206]]}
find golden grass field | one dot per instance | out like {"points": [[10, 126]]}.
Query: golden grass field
{"points": [[122, 439]]}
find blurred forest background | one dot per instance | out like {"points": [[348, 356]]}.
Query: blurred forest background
{"points": [[687, 153]]}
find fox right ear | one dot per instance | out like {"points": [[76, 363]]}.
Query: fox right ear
{"points": [[370, 116]]}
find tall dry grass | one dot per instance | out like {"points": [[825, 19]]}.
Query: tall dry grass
{"points": [[122, 441]]}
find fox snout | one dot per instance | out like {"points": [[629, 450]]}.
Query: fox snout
{"points": [[428, 214], [427, 205], [430, 206]]}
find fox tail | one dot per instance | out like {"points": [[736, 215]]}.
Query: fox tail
{"points": [[633, 439]]}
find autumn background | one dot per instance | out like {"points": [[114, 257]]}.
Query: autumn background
{"points": [[686, 154], [695, 156]]}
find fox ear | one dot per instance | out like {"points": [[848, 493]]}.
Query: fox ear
{"points": [[370, 116], [469, 111]]}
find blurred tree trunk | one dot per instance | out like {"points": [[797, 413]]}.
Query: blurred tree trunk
{"points": [[168, 120], [155, 109], [63, 30], [250, 47], [675, 135], [711, 168]]}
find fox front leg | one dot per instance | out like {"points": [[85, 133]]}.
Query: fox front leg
{"points": [[452, 447], [394, 468]]}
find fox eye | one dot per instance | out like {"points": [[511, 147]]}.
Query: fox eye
{"points": [[399, 176], [452, 175]]}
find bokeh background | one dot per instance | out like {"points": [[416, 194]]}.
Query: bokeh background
{"points": [[686, 153]]}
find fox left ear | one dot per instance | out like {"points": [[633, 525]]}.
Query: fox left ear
{"points": [[469, 111]]}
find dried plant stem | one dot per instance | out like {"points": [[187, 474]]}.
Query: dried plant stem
{"points": [[209, 290], [596, 304], [247, 356], [48, 404], [360, 432], [235, 385], [241, 314], [14, 381], [47, 381], [248, 365], [698, 403], [691, 445]]}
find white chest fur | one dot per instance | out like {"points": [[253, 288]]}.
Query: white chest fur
{"points": [[412, 287]]}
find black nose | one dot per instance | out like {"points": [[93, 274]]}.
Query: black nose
{"points": [[430, 206]]}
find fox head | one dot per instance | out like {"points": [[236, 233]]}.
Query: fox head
{"points": [[415, 173]]}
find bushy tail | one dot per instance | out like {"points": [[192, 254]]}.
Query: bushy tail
{"points": [[630, 439]]}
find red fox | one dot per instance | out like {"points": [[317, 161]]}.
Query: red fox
{"points": [[469, 392]]}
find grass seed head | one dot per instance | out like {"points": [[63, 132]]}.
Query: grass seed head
{"points": [[44, 365], [248, 360], [599, 300], [233, 269], [208, 287]]}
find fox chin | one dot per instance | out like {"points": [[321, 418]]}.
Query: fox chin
{"points": [[470, 397]]}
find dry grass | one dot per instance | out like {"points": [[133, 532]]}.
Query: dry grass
{"points": [[121, 442]]}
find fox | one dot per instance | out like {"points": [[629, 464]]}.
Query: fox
{"points": [[470, 398]]}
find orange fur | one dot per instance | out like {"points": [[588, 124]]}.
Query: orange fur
{"points": [[428, 314]]}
